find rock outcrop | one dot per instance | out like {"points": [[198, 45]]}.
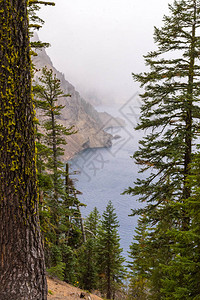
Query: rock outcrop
{"points": [[77, 112], [109, 122]]}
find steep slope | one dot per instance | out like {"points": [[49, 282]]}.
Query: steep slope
{"points": [[60, 290], [77, 112]]}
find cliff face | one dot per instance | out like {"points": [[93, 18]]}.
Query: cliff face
{"points": [[77, 112], [108, 121]]}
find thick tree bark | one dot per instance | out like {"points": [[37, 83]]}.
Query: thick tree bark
{"points": [[22, 271]]}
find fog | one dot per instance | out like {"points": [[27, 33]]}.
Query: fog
{"points": [[97, 44]]}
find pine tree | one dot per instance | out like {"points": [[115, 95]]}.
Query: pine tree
{"points": [[110, 260], [60, 212], [92, 223], [35, 22], [48, 92], [170, 116], [149, 251], [73, 219], [140, 262], [87, 254], [170, 111], [182, 273], [22, 271], [87, 274]]}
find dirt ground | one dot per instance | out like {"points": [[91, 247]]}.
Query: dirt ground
{"points": [[59, 290]]}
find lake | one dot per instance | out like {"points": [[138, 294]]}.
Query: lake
{"points": [[106, 172]]}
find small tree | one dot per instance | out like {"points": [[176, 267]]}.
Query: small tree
{"points": [[140, 262], [48, 92], [92, 224], [60, 209], [110, 260], [55, 192], [87, 254]]}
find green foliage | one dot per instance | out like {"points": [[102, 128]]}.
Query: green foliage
{"points": [[57, 271], [87, 265], [59, 207], [92, 224], [35, 22], [97, 262], [170, 116], [169, 111], [69, 257], [47, 93], [87, 253], [140, 262], [109, 254]]}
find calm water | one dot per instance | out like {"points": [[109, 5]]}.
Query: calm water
{"points": [[106, 173]]}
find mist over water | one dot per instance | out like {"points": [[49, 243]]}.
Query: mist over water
{"points": [[105, 173]]}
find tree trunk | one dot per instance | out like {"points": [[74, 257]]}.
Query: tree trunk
{"points": [[188, 121], [82, 223], [55, 156], [108, 281], [22, 270]]}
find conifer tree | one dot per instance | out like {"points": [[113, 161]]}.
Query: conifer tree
{"points": [[170, 116], [170, 109], [60, 209], [22, 270], [87, 265], [149, 251], [140, 263], [35, 22], [48, 92], [92, 223], [87, 254], [182, 273], [110, 260]]}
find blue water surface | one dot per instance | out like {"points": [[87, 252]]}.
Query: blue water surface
{"points": [[106, 172]]}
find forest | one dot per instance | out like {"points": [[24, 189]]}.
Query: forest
{"points": [[42, 230]]}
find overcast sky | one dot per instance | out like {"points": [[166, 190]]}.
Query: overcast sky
{"points": [[97, 44]]}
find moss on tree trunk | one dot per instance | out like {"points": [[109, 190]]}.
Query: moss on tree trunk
{"points": [[22, 272]]}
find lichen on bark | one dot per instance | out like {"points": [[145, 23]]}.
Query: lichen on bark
{"points": [[22, 273]]}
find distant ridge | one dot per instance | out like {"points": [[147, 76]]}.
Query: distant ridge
{"points": [[77, 112]]}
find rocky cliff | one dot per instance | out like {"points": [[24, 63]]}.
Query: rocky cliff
{"points": [[77, 112], [108, 121]]}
